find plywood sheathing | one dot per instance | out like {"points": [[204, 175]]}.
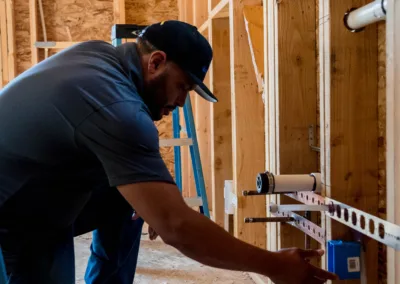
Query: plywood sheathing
{"points": [[145, 12]]}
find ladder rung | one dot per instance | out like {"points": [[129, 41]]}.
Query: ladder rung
{"points": [[176, 142], [193, 201]]}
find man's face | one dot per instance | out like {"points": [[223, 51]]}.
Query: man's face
{"points": [[166, 85]]}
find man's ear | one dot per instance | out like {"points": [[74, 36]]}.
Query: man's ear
{"points": [[156, 62]]}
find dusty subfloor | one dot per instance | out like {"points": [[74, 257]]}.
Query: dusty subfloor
{"points": [[159, 263]]}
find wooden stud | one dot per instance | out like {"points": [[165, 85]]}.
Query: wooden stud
{"points": [[270, 93], [351, 122], [119, 12], [12, 68], [247, 129], [1, 66], [222, 122], [33, 31], [189, 11], [3, 34], [393, 131], [203, 136], [324, 77], [61, 44], [200, 12]]}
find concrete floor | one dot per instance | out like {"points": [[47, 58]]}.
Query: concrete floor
{"points": [[159, 263]]}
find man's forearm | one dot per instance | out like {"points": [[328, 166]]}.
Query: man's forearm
{"points": [[206, 242]]}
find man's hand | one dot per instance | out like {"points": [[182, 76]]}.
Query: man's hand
{"points": [[292, 266], [162, 206], [152, 234]]}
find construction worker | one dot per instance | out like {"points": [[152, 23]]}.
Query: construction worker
{"points": [[79, 152]]}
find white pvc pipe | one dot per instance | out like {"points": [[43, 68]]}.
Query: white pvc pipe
{"points": [[294, 183], [366, 15]]}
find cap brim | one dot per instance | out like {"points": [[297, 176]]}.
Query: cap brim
{"points": [[202, 90]]}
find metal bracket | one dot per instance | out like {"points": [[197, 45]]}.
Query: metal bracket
{"points": [[378, 229], [369, 225], [311, 138], [305, 225]]}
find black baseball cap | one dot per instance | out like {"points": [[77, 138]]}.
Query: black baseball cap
{"points": [[187, 47]]}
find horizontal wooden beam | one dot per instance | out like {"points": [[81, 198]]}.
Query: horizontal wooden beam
{"points": [[57, 44]]}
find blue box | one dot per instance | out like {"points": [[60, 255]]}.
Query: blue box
{"points": [[344, 259]]}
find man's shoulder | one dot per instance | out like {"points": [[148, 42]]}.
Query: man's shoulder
{"points": [[92, 45]]}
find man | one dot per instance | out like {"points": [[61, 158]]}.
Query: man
{"points": [[79, 150]]}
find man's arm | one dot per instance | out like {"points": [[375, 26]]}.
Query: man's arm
{"points": [[162, 207]]}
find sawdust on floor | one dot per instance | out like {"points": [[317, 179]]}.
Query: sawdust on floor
{"points": [[160, 263]]}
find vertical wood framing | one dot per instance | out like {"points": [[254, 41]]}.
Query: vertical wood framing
{"points": [[200, 12], [324, 78], [33, 31], [119, 12], [10, 39], [270, 93], [3, 34], [222, 122], [351, 122], [1, 66], [204, 139], [247, 129], [393, 131], [188, 187]]}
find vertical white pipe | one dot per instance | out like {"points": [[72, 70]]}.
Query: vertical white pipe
{"points": [[366, 15]]}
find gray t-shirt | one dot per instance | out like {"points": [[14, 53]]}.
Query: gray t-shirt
{"points": [[75, 120]]}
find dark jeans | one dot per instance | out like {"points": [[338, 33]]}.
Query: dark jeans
{"points": [[45, 254]]}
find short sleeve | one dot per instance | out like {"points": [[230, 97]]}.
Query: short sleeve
{"points": [[125, 140]]}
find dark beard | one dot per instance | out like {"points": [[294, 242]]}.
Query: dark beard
{"points": [[155, 97]]}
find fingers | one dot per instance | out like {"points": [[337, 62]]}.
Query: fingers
{"points": [[315, 281], [311, 253], [322, 274], [153, 234]]}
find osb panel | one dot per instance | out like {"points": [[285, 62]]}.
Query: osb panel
{"points": [[77, 20], [165, 131], [144, 12], [382, 141]]}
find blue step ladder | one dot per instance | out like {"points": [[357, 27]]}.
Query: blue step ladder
{"points": [[128, 31]]}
